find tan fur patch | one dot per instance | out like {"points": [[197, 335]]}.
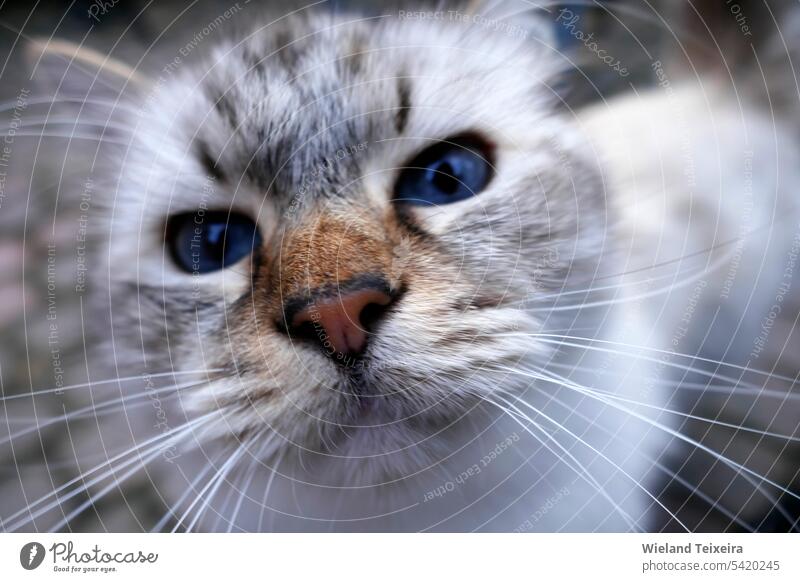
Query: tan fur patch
{"points": [[327, 252]]}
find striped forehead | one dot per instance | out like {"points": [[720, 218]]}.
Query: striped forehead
{"points": [[286, 110]]}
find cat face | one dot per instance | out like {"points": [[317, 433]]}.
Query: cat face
{"points": [[349, 218]]}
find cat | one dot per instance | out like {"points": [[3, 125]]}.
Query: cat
{"points": [[365, 274]]}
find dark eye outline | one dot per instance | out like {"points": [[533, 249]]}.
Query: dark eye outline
{"points": [[468, 143], [190, 228]]}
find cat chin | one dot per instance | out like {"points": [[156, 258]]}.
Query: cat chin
{"points": [[367, 445], [393, 455]]}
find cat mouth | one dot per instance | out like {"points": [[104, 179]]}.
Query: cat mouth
{"points": [[371, 401], [365, 388]]}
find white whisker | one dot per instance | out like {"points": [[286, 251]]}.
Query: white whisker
{"points": [[560, 426], [41, 423], [578, 468], [171, 435], [675, 434], [94, 383]]}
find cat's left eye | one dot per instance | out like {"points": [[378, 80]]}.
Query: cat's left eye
{"points": [[210, 241], [446, 172]]}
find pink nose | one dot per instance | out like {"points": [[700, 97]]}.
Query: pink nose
{"points": [[339, 322]]}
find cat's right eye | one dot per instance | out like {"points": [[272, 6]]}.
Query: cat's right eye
{"points": [[447, 172], [210, 241]]}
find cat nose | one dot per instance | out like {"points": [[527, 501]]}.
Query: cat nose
{"points": [[340, 323]]}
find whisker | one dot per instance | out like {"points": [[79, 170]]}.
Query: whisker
{"points": [[477, 392], [597, 452], [265, 499], [138, 465], [93, 407], [212, 484], [185, 495], [663, 468], [579, 469], [544, 338], [690, 416], [752, 480], [624, 284], [153, 441], [741, 388], [108, 381], [567, 384], [96, 410], [254, 465]]}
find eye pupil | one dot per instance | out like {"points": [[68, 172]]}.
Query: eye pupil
{"points": [[447, 172], [445, 178], [212, 241]]}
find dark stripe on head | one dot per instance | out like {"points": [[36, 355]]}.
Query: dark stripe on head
{"points": [[208, 162], [225, 107], [404, 103], [288, 52], [354, 59]]}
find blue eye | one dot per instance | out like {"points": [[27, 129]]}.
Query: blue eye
{"points": [[446, 172], [210, 241]]}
